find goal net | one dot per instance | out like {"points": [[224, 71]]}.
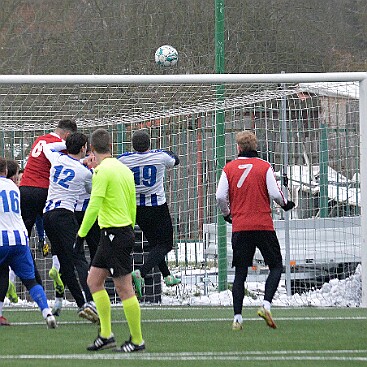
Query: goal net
{"points": [[308, 128]]}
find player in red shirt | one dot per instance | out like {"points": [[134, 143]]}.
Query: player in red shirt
{"points": [[245, 190], [35, 180]]}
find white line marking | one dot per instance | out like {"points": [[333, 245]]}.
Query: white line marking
{"points": [[284, 355], [186, 320]]}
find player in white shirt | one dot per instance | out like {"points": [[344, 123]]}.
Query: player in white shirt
{"points": [[68, 179], [14, 247], [92, 239], [152, 216]]}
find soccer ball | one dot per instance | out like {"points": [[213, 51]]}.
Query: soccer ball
{"points": [[166, 56]]}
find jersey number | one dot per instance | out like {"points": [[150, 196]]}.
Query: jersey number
{"points": [[147, 176], [67, 175], [37, 149], [247, 168], [10, 203]]}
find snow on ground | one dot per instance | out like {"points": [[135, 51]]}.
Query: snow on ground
{"points": [[336, 293]]}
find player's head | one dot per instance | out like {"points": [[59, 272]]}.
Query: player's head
{"points": [[3, 168], [246, 141], [66, 127], [13, 170], [141, 141], [100, 141], [77, 142]]}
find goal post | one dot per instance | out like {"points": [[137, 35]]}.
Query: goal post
{"points": [[326, 157]]}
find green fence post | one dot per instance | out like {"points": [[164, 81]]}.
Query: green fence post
{"points": [[220, 140]]}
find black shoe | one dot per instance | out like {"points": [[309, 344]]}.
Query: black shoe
{"points": [[88, 311], [129, 347], [102, 343]]}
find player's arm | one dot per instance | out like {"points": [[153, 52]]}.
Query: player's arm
{"points": [[90, 215], [175, 161], [96, 200], [222, 195], [50, 149], [275, 193]]}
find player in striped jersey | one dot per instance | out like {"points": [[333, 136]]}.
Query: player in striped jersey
{"points": [[68, 179], [245, 189], [14, 248], [92, 239], [152, 216]]}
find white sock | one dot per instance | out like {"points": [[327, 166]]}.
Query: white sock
{"points": [[267, 305], [58, 300], [56, 262], [237, 318], [12, 275], [1, 308], [46, 312]]}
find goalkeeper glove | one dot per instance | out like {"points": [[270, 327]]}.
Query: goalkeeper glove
{"points": [[290, 205], [228, 218]]}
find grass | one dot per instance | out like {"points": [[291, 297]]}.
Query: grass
{"points": [[193, 336]]}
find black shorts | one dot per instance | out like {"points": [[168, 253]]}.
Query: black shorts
{"points": [[244, 244], [156, 224], [114, 252], [32, 202]]}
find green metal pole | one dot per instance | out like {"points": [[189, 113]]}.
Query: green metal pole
{"points": [[220, 140], [324, 163], [120, 138]]}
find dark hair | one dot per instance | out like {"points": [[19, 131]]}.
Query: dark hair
{"points": [[3, 165], [68, 125], [13, 168], [141, 141], [75, 142], [101, 141]]}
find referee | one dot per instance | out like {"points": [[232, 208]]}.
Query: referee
{"points": [[113, 201]]}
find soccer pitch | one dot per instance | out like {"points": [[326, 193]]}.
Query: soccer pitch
{"points": [[193, 336]]}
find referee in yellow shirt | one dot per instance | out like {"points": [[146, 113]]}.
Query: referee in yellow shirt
{"points": [[113, 202]]}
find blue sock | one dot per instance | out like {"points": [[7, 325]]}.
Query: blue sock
{"points": [[38, 295]]}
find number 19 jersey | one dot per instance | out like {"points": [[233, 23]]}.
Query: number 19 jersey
{"points": [[149, 169]]}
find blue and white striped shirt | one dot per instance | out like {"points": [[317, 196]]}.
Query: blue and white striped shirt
{"points": [[149, 169], [12, 228]]}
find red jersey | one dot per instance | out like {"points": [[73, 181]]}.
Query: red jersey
{"points": [[37, 170], [251, 186]]}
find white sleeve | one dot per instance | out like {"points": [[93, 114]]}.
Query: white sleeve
{"points": [[88, 181], [52, 150], [274, 191], [169, 160], [222, 194]]}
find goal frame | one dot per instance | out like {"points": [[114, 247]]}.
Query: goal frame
{"points": [[219, 79]]}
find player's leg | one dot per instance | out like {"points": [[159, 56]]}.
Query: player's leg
{"points": [[82, 268], [270, 249], [243, 253], [156, 224], [93, 236], [22, 264], [32, 202], [4, 281], [132, 313], [12, 292], [96, 280], [61, 229], [59, 287]]}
